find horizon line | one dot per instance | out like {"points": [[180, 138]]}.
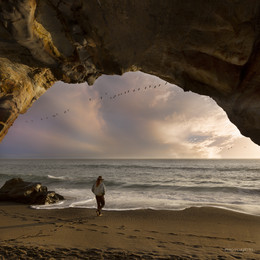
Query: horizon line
{"points": [[123, 158]]}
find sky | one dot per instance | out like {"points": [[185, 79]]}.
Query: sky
{"points": [[135, 115]]}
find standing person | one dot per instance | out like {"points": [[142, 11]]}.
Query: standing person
{"points": [[99, 190]]}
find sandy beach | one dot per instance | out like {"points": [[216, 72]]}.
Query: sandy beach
{"points": [[195, 233]]}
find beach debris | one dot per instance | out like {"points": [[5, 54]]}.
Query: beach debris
{"points": [[17, 190]]}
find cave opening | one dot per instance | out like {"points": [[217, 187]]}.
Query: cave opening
{"points": [[131, 116]]}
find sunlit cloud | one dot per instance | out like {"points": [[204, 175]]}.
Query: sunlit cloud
{"points": [[130, 116]]}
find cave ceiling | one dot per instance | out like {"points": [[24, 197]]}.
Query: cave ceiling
{"points": [[208, 47]]}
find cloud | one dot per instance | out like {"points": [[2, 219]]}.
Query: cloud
{"points": [[134, 116]]}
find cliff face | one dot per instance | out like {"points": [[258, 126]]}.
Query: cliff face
{"points": [[208, 47]]}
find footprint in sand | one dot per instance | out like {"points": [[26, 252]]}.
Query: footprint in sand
{"points": [[151, 238], [137, 230], [162, 242], [93, 230], [161, 246], [178, 243], [71, 227], [173, 234], [155, 232], [197, 246], [122, 227], [251, 242], [119, 233], [132, 237], [58, 225]]}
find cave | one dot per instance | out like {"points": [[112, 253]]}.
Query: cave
{"points": [[207, 47]]}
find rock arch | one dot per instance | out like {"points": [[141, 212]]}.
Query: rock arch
{"points": [[208, 47]]}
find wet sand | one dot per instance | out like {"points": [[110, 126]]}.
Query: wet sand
{"points": [[195, 233]]}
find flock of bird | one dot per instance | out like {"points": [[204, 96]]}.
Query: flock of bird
{"points": [[129, 91], [47, 117], [105, 96]]}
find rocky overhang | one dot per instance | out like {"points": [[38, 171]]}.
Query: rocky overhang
{"points": [[208, 47]]}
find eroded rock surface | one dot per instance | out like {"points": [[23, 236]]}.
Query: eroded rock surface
{"points": [[18, 190], [208, 47]]}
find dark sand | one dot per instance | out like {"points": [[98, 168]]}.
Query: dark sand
{"points": [[195, 233]]}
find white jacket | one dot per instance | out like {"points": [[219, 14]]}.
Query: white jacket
{"points": [[99, 190]]}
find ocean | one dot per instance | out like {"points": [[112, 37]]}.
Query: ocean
{"points": [[145, 184]]}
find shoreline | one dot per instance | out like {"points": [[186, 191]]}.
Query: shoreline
{"points": [[73, 200], [77, 233]]}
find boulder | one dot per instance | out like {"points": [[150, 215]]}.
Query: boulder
{"points": [[18, 190]]}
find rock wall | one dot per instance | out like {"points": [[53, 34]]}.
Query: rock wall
{"points": [[208, 47]]}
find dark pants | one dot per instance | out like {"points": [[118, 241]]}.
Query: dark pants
{"points": [[100, 202]]}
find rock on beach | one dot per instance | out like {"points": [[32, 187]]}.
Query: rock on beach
{"points": [[17, 190]]}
